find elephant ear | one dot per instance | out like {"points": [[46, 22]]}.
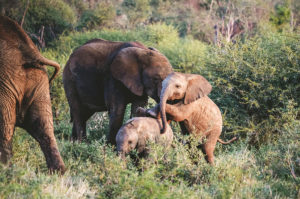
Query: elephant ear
{"points": [[197, 87], [127, 68]]}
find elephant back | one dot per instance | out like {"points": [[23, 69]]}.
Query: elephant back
{"points": [[97, 54], [15, 37]]}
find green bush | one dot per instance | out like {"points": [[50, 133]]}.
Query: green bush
{"points": [[159, 34], [186, 55], [56, 16], [94, 18], [137, 11], [257, 82], [281, 16]]}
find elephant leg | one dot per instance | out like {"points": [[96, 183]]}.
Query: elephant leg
{"points": [[79, 124], [136, 104], [183, 128], [7, 126], [116, 116], [39, 124], [209, 147], [79, 116]]}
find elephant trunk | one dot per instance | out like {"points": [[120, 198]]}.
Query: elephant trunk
{"points": [[121, 154], [48, 62], [163, 101]]}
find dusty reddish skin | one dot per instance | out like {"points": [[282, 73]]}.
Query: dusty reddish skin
{"points": [[106, 76], [24, 94], [198, 114]]}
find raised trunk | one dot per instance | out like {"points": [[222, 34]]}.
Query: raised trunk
{"points": [[163, 101]]}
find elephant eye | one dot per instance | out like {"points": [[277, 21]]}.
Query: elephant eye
{"points": [[129, 142], [156, 79], [177, 86]]}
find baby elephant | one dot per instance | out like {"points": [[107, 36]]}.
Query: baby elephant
{"points": [[138, 131], [191, 106]]}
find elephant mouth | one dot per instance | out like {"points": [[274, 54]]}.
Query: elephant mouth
{"points": [[174, 101]]}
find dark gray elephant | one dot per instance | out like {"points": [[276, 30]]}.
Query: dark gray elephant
{"points": [[106, 76], [24, 93]]}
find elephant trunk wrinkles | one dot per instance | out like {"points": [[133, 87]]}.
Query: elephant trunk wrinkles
{"points": [[48, 62], [163, 101]]}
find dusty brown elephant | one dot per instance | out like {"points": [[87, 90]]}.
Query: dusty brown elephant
{"points": [[138, 131], [24, 93], [106, 76], [197, 112]]}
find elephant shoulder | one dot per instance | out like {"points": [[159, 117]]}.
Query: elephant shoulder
{"points": [[137, 45]]}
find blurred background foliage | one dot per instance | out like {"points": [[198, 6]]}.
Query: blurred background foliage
{"points": [[204, 20], [249, 51]]}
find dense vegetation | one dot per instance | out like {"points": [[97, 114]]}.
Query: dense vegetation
{"points": [[255, 82]]}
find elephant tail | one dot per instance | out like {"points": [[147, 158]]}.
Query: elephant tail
{"points": [[228, 142], [50, 63]]}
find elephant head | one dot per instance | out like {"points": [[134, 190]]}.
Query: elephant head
{"points": [[177, 86], [127, 140], [13, 36], [141, 70]]}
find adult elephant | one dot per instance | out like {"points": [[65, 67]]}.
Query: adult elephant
{"points": [[106, 76], [24, 93]]}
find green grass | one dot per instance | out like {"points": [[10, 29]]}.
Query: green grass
{"points": [[95, 170]]}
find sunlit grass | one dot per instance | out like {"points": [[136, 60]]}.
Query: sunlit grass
{"points": [[95, 170]]}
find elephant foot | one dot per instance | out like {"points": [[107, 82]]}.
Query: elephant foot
{"points": [[59, 169]]}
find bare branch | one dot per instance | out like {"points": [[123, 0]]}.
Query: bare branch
{"points": [[23, 18]]}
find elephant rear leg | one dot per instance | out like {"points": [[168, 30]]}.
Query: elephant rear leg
{"points": [[80, 117], [209, 147], [6, 134], [39, 124], [7, 126], [79, 114]]}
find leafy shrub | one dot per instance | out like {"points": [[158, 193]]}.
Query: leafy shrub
{"points": [[160, 34], [98, 17], [56, 16], [137, 10], [281, 15], [257, 82], [186, 55]]}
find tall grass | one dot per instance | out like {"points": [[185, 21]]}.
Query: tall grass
{"points": [[94, 170]]}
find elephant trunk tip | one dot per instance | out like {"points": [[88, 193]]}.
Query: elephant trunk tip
{"points": [[163, 102], [121, 154]]}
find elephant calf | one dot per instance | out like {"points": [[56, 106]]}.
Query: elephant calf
{"points": [[138, 131], [198, 114]]}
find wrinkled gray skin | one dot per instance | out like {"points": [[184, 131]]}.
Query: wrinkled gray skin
{"points": [[24, 94], [197, 112], [138, 131]]}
